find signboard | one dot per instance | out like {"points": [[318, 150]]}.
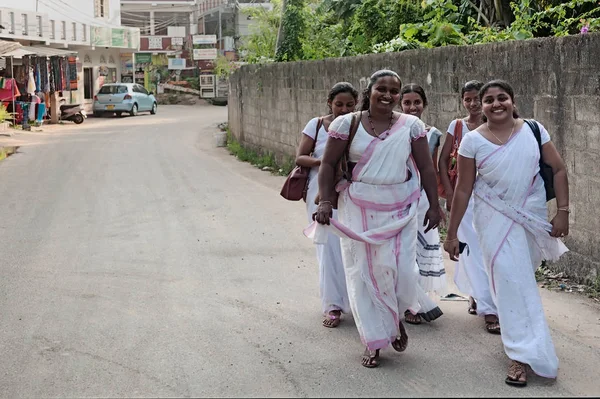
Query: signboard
{"points": [[176, 63], [177, 41], [204, 39], [205, 53], [155, 43], [143, 58], [102, 36]]}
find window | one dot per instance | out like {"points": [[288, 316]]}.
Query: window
{"points": [[84, 37], [24, 24], [11, 21], [101, 8], [88, 84], [74, 33], [113, 89], [63, 30], [52, 28], [142, 89], [39, 26]]}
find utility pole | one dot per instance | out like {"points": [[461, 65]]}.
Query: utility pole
{"points": [[220, 31]]}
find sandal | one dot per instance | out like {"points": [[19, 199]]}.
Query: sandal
{"points": [[401, 342], [492, 326], [517, 374], [370, 358], [333, 319], [412, 318], [472, 306]]}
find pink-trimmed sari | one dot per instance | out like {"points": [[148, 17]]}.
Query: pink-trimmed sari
{"points": [[510, 217], [378, 229]]}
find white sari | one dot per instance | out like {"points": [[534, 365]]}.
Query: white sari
{"points": [[510, 218], [378, 229]]}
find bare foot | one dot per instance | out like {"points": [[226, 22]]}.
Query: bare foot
{"points": [[401, 342], [517, 374], [370, 359], [333, 319], [412, 318]]}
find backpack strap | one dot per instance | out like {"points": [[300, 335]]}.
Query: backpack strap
{"points": [[319, 124], [535, 128], [356, 118]]}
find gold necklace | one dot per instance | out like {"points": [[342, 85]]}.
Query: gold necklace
{"points": [[511, 132]]}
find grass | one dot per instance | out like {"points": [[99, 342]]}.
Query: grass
{"points": [[265, 161]]}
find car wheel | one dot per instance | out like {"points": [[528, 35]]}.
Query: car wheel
{"points": [[153, 110], [134, 110]]}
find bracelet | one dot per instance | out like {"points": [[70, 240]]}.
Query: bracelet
{"points": [[565, 209], [449, 241], [324, 202]]}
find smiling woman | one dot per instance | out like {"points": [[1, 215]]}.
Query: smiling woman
{"points": [[377, 210]]}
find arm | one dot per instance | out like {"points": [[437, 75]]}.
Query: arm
{"points": [[464, 187], [443, 169], [560, 222], [334, 149], [303, 157], [420, 152]]}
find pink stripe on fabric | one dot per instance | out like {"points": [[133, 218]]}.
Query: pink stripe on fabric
{"points": [[337, 135], [424, 134], [366, 156], [499, 147], [371, 272], [506, 236], [386, 207]]}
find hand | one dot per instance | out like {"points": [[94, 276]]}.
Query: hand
{"points": [[432, 218], [324, 213], [560, 225], [449, 196], [452, 246]]}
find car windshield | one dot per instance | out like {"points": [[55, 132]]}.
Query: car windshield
{"points": [[113, 90]]}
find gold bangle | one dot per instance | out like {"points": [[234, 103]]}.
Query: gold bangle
{"points": [[449, 241]]}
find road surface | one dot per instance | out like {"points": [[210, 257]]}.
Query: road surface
{"points": [[138, 260]]}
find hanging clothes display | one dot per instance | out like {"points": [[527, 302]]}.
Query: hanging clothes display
{"points": [[72, 73]]}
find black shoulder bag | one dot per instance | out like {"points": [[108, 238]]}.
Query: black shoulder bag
{"points": [[545, 169]]}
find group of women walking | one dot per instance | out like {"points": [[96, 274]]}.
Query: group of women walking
{"points": [[373, 209]]}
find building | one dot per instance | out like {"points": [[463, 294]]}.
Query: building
{"points": [[89, 29]]}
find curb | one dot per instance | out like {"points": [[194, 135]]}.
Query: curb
{"points": [[5, 152]]}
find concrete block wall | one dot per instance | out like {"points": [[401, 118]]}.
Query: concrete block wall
{"points": [[557, 82]]}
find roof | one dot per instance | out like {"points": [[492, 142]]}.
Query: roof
{"points": [[39, 51], [6, 46]]}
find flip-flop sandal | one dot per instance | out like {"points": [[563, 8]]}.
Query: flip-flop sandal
{"points": [[492, 330], [472, 308], [373, 359], [517, 383], [397, 344], [335, 321], [416, 320]]}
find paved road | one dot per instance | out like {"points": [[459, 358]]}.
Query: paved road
{"points": [[137, 260]]}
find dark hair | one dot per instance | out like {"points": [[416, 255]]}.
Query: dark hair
{"points": [[366, 95], [342, 87], [470, 86], [502, 85], [414, 88]]}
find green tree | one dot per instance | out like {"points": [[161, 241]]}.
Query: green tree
{"points": [[260, 45], [291, 31]]}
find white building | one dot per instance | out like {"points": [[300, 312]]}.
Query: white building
{"points": [[92, 28]]}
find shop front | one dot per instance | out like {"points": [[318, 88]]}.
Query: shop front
{"points": [[97, 67]]}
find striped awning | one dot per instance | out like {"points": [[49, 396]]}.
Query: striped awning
{"points": [[7, 46]]}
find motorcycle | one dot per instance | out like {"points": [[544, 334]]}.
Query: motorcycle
{"points": [[71, 112]]}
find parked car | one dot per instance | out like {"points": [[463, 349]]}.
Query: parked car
{"points": [[124, 97]]}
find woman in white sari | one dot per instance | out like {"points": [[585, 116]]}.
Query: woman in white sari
{"points": [[377, 211], [342, 99], [430, 263], [510, 221]]}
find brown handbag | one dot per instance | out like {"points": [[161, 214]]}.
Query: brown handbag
{"points": [[295, 186], [342, 170], [453, 160]]}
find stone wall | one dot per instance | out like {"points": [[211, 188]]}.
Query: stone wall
{"points": [[557, 81]]}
